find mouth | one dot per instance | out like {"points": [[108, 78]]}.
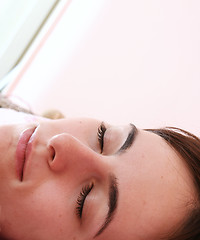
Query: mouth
{"points": [[23, 150]]}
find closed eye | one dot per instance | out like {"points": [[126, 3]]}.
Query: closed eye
{"points": [[82, 197]]}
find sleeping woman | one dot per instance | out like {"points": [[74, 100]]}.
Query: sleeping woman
{"points": [[85, 179]]}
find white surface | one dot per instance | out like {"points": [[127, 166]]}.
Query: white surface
{"points": [[120, 61]]}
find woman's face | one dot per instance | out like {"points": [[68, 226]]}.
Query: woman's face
{"points": [[79, 179]]}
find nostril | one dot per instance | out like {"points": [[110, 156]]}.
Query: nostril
{"points": [[52, 153]]}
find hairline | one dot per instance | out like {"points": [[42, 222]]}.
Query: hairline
{"points": [[164, 133]]}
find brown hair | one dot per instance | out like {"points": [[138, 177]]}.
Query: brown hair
{"points": [[187, 146]]}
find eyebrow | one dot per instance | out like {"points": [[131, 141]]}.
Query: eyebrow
{"points": [[112, 205], [129, 141], [113, 189]]}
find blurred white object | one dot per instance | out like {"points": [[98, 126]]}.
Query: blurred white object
{"points": [[20, 21]]}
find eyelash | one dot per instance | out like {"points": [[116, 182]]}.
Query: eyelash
{"points": [[100, 133], [87, 189], [81, 198]]}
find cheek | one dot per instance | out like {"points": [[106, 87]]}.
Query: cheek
{"points": [[43, 212]]}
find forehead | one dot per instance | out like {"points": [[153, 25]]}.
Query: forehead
{"points": [[150, 151], [155, 187]]}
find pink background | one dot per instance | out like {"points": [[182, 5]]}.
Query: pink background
{"points": [[119, 61]]}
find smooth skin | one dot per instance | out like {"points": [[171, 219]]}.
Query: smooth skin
{"points": [[154, 187]]}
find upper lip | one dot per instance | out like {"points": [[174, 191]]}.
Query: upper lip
{"points": [[23, 150]]}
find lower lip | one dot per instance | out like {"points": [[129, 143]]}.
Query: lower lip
{"points": [[21, 151]]}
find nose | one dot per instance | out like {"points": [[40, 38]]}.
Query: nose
{"points": [[68, 154]]}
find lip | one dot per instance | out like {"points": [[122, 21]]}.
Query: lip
{"points": [[23, 150]]}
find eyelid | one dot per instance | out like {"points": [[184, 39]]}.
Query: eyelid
{"points": [[114, 138], [82, 197]]}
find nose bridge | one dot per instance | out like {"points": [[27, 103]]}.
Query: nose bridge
{"points": [[70, 154]]}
